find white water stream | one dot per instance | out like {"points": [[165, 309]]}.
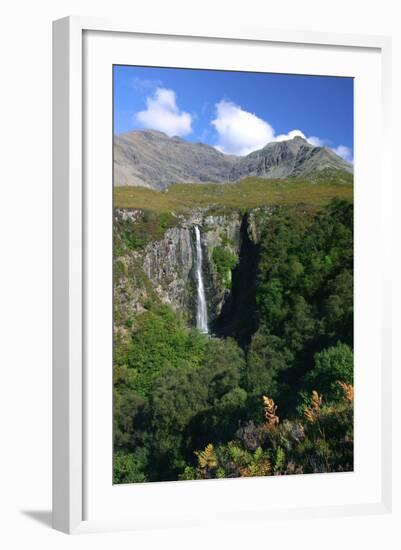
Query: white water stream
{"points": [[201, 309]]}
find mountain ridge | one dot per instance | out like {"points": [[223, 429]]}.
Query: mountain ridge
{"points": [[150, 158]]}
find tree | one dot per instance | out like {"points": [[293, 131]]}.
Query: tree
{"points": [[223, 366], [176, 398], [332, 365], [161, 339], [267, 357], [189, 405], [337, 307], [129, 467]]}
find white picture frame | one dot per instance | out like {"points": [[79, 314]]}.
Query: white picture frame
{"points": [[70, 259]]}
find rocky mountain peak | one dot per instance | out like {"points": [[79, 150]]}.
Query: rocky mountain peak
{"points": [[151, 158]]}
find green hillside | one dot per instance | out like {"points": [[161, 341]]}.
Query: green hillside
{"points": [[249, 193]]}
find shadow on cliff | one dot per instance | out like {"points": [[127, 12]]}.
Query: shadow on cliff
{"points": [[238, 317]]}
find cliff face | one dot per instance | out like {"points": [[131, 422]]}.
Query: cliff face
{"points": [[162, 269]]}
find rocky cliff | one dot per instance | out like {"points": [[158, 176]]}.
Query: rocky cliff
{"points": [[161, 266]]}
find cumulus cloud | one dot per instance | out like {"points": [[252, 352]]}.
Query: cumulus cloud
{"points": [[313, 140], [241, 132], [162, 113], [316, 141], [290, 135], [344, 152]]}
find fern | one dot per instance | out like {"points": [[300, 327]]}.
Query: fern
{"points": [[279, 460], [348, 391], [270, 411], [312, 412], [207, 459]]}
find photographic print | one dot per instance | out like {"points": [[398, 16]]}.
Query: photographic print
{"points": [[232, 274]]}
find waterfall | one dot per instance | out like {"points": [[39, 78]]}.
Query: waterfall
{"points": [[201, 307]]}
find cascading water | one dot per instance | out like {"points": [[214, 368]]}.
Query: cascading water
{"points": [[201, 308]]}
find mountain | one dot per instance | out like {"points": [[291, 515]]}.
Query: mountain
{"points": [[149, 158], [281, 159]]}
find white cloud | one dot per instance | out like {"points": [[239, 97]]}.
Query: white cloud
{"points": [[290, 135], [162, 113], [316, 141], [344, 152], [241, 132], [313, 140]]}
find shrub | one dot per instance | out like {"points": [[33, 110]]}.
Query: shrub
{"points": [[331, 365], [128, 467], [224, 262], [320, 440]]}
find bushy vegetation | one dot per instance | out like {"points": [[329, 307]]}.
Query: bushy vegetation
{"points": [[192, 406], [224, 262], [319, 440], [149, 227]]}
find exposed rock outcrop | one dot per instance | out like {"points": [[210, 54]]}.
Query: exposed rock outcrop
{"points": [[163, 269]]}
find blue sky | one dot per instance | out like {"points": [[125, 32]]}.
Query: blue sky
{"points": [[236, 112]]}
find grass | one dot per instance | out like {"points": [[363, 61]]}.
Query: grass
{"points": [[249, 193]]}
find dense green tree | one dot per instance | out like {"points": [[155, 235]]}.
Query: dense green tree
{"points": [[267, 357], [128, 417], [130, 467], [187, 402], [279, 266], [305, 264], [223, 366], [178, 396], [331, 365], [304, 292], [158, 340], [337, 307]]}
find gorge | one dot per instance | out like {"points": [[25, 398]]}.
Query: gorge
{"points": [[203, 265]]}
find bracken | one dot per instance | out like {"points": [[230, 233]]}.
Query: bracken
{"points": [[312, 412], [270, 411], [348, 391]]}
